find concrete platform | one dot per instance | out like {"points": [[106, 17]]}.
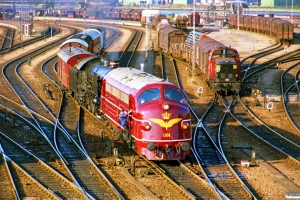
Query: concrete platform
{"points": [[245, 42]]}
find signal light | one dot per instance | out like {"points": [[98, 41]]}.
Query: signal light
{"points": [[184, 125], [145, 126]]}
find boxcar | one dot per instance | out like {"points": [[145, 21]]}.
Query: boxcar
{"points": [[136, 14], [268, 26], [68, 58], [262, 24], [241, 21], [282, 30], [233, 21], [168, 36], [106, 13], [255, 23], [125, 14], [115, 14], [248, 23]]}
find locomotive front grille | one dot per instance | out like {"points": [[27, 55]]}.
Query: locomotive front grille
{"points": [[223, 76], [227, 72]]}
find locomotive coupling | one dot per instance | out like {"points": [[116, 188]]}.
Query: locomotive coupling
{"points": [[151, 147], [185, 146]]}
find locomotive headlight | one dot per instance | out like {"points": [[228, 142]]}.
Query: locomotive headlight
{"points": [[166, 107], [184, 125], [145, 126], [236, 75]]}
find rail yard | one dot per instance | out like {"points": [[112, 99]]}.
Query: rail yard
{"points": [[244, 145]]}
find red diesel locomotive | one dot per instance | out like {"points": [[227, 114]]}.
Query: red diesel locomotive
{"points": [[160, 124], [218, 63]]}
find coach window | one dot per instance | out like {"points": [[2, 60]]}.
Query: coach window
{"points": [[174, 95], [149, 95]]}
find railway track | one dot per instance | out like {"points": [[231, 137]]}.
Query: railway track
{"points": [[261, 139], [40, 174], [290, 92], [216, 168], [75, 137], [8, 39], [89, 180], [16, 45], [203, 189]]}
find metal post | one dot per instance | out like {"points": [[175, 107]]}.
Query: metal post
{"points": [[21, 32], [292, 11], [194, 37], [257, 7], [238, 17], [60, 16], [44, 21]]}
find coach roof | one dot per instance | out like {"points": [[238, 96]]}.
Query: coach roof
{"points": [[93, 33], [67, 53]]}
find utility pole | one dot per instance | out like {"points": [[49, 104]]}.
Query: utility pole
{"points": [[21, 28], [44, 20], [194, 38]]}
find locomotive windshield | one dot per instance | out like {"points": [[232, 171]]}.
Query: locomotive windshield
{"points": [[149, 95], [231, 53], [174, 95], [155, 94], [217, 54], [224, 53]]}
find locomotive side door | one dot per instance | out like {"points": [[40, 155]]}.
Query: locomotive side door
{"points": [[131, 107]]}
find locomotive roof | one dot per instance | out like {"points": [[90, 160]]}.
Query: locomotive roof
{"points": [[133, 78], [67, 53], [207, 44], [77, 40], [93, 33]]}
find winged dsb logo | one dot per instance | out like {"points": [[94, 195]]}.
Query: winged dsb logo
{"points": [[165, 124]]}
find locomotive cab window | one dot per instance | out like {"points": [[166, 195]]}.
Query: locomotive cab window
{"points": [[149, 95], [217, 54], [231, 54], [174, 95]]}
